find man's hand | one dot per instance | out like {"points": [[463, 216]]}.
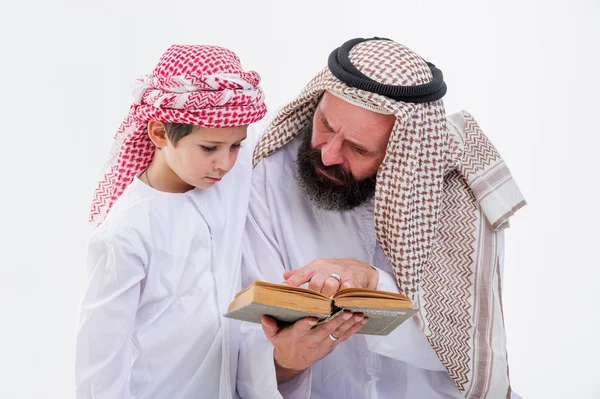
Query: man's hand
{"points": [[318, 273], [299, 346]]}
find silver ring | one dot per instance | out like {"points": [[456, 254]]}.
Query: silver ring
{"points": [[336, 276], [333, 338]]}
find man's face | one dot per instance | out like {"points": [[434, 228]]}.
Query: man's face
{"points": [[341, 152]]}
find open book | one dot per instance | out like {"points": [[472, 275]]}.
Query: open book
{"points": [[385, 310]]}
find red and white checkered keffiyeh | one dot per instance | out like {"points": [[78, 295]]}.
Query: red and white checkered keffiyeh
{"points": [[196, 85], [443, 197]]}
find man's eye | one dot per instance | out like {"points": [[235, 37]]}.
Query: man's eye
{"points": [[360, 150], [208, 149]]}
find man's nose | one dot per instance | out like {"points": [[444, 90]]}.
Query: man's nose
{"points": [[331, 153]]}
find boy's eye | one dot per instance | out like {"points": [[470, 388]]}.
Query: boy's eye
{"points": [[208, 149], [236, 146]]}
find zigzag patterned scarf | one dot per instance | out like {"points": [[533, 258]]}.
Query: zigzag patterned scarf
{"points": [[443, 196], [195, 85]]}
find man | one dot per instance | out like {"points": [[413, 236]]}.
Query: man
{"points": [[363, 181]]}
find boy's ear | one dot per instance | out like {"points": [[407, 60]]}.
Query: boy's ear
{"points": [[157, 133]]}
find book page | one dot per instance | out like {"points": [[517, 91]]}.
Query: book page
{"points": [[281, 296], [378, 303], [366, 293], [287, 289]]}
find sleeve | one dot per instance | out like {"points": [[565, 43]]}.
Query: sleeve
{"points": [[261, 260], [387, 282], [107, 316], [418, 353], [407, 344]]}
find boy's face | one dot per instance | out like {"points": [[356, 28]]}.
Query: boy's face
{"points": [[204, 156]]}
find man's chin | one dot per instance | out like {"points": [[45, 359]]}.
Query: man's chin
{"points": [[322, 192]]}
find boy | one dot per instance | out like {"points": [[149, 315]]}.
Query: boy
{"points": [[164, 262]]}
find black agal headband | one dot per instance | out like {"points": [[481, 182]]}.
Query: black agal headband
{"points": [[341, 67]]}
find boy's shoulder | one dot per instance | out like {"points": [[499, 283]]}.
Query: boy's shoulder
{"points": [[132, 212]]}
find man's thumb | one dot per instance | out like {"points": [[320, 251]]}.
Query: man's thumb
{"points": [[269, 326]]}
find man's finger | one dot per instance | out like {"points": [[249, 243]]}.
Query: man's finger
{"points": [[330, 286], [288, 273], [352, 330], [347, 284], [302, 327], [298, 329], [341, 330], [300, 276], [316, 282], [323, 331]]}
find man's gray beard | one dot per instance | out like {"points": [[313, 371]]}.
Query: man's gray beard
{"points": [[321, 190]]}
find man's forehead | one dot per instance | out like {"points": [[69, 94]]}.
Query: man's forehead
{"points": [[359, 102], [337, 106], [357, 124]]}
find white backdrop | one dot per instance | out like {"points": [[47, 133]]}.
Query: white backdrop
{"points": [[527, 71]]}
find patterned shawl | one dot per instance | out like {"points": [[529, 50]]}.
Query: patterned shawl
{"points": [[443, 194], [195, 85]]}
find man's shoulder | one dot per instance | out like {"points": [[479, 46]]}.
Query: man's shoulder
{"points": [[456, 121]]}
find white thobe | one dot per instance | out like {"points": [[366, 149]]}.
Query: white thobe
{"points": [[285, 232], [163, 268]]}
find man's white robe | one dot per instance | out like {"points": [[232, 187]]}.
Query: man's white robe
{"points": [[285, 232]]}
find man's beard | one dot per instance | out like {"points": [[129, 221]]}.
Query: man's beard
{"points": [[342, 195]]}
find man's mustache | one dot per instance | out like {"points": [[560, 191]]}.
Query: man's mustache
{"points": [[335, 171]]}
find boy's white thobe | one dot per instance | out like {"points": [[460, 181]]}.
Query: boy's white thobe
{"points": [[163, 268]]}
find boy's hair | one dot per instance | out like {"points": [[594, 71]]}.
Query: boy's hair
{"points": [[177, 131]]}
